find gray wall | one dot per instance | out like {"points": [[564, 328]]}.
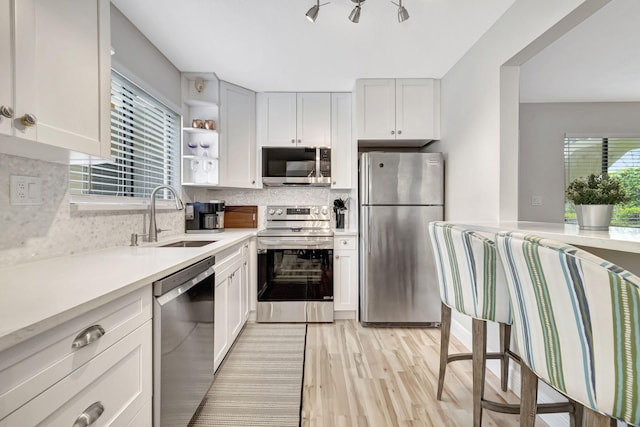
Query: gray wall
{"points": [[142, 63], [541, 156]]}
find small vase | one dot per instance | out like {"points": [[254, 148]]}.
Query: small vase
{"points": [[594, 217]]}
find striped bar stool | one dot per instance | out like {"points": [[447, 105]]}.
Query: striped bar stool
{"points": [[472, 283], [577, 323]]}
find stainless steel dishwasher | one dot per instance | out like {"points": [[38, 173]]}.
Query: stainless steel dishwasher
{"points": [[183, 314]]}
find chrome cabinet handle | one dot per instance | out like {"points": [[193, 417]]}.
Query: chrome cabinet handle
{"points": [[90, 415], [399, 132], [28, 120], [6, 111], [293, 141], [253, 182], [337, 256], [89, 335], [393, 132], [299, 141]]}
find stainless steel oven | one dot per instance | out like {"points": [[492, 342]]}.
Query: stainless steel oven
{"points": [[295, 265], [183, 314]]}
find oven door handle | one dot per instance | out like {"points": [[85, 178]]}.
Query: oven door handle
{"points": [[179, 290], [294, 244]]}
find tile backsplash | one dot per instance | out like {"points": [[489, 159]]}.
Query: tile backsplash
{"points": [[55, 228]]}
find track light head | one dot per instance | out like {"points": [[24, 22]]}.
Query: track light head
{"points": [[354, 16], [403, 15], [312, 14]]}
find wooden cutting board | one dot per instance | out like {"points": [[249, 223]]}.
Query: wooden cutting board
{"points": [[240, 216]]}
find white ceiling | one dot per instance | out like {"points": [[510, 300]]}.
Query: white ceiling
{"points": [[599, 60], [270, 45]]}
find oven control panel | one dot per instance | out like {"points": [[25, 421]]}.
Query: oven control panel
{"points": [[299, 213]]}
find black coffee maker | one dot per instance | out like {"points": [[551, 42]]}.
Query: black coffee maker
{"points": [[204, 217]]}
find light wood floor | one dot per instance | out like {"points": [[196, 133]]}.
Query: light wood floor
{"points": [[356, 376]]}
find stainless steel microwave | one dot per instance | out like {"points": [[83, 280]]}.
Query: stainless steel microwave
{"points": [[309, 166]]}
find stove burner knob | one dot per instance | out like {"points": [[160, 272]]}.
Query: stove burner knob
{"points": [[324, 211], [279, 211], [271, 211], [316, 211]]}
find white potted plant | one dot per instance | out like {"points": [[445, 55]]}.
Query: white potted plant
{"points": [[594, 197]]}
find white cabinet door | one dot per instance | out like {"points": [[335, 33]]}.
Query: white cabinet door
{"points": [[314, 119], [415, 109], [235, 313], [376, 108], [279, 119], [237, 136], [62, 75], [119, 380], [342, 146], [345, 270], [220, 326], [6, 70]]}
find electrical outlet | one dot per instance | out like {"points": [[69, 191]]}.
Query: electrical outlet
{"points": [[25, 190], [536, 200]]}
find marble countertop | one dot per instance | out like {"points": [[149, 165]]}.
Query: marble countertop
{"points": [[37, 296], [616, 238]]}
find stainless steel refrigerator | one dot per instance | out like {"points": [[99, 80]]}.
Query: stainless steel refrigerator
{"points": [[400, 193]]}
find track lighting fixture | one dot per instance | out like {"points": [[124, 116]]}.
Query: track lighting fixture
{"points": [[312, 13], [354, 16]]}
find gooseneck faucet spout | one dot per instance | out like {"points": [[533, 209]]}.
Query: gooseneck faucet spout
{"points": [[153, 229]]}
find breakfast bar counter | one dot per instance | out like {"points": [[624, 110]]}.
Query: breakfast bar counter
{"points": [[620, 245]]}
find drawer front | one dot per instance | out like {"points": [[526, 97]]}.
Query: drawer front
{"points": [[227, 257], [118, 380], [345, 243], [31, 367]]}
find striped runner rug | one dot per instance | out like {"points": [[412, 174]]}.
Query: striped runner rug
{"points": [[260, 381]]}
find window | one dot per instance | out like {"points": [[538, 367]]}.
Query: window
{"points": [[145, 141], [619, 157]]}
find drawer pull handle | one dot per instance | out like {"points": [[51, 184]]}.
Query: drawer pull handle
{"points": [[89, 335], [90, 415]]}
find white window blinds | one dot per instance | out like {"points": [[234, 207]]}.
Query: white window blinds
{"points": [[145, 141], [619, 157]]}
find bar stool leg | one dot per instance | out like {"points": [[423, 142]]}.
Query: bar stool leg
{"points": [[528, 396], [445, 332], [505, 341], [479, 357], [595, 419]]}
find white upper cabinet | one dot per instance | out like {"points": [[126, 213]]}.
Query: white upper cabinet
{"points": [[237, 136], [399, 112], [295, 119], [6, 71], [57, 80], [343, 150], [314, 119]]}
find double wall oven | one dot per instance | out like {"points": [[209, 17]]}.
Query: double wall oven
{"points": [[295, 265]]}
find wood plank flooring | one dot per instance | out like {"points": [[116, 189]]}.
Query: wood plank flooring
{"points": [[356, 376]]}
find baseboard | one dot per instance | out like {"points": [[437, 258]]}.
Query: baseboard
{"points": [[344, 315]]}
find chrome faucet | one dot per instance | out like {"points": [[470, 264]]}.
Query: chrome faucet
{"points": [[153, 230]]}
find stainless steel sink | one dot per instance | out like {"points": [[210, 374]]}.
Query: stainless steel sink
{"points": [[188, 244]]}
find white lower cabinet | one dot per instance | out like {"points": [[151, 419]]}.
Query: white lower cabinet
{"points": [[96, 366], [345, 274], [231, 299]]}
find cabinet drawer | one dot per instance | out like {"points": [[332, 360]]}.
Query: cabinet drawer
{"points": [[33, 366], [118, 379], [227, 257], [344, 243]]}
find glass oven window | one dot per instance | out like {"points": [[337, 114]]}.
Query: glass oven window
{"points": [[296, 275]]}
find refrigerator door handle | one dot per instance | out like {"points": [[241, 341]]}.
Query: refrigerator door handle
{"points": [[368, 235]]}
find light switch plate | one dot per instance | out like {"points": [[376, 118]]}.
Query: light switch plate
{"points": [[26, 190], [536, 200]]}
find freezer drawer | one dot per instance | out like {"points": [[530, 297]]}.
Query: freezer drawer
{"points": [[398, 282]]}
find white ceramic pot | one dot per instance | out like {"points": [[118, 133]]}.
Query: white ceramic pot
{"points": [[594, 217]]}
